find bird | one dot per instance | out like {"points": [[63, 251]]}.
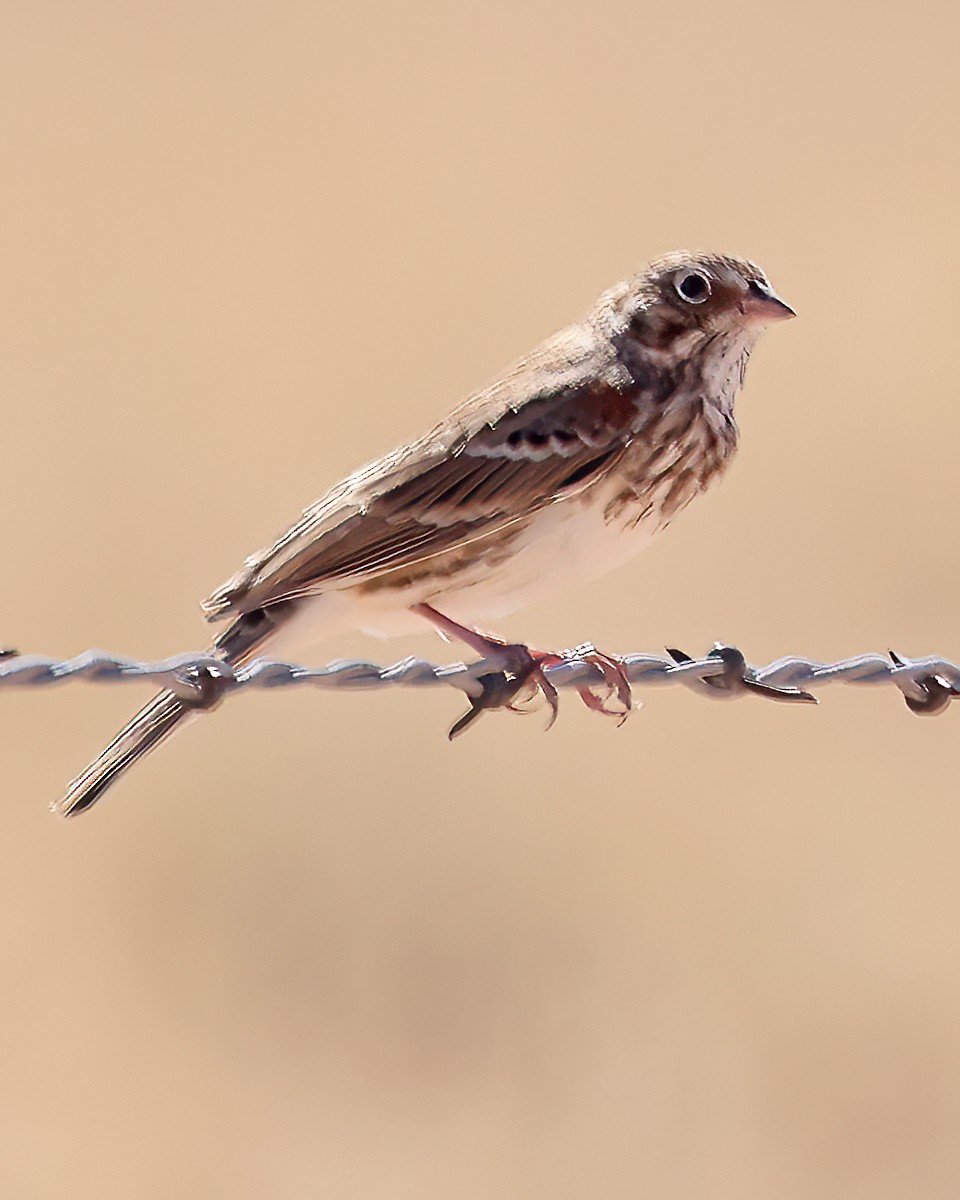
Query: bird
{"points": [[560, 471]]}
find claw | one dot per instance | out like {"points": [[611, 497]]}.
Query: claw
{"points": [[551, 697], [614, 676], [614, 680], [500, 689]]}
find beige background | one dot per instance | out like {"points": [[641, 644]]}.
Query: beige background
{"points": [[311, 949]]}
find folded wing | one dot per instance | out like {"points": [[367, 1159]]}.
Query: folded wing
{"points": [[558, 422]]}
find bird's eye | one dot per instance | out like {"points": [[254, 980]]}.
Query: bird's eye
{"points": [[692, 286]]}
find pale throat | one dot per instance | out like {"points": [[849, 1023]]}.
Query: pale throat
{"points": [[725, 364], [719, 361]]}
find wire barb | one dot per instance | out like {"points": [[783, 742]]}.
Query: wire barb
{"points": [[928, 685]]}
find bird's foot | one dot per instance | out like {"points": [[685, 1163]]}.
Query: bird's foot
{"points": [[518, 682], [612, 695], [521, 675]]}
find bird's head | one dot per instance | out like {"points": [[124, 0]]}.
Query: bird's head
{"points": [[689, 294]]}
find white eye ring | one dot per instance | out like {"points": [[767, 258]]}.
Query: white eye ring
{"points": [[692, 286]]}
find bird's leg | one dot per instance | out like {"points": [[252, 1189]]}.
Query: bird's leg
{"points": [[524, 668], [498, 689]]}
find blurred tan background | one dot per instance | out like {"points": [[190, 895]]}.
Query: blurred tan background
{"points": [[310, 948]]}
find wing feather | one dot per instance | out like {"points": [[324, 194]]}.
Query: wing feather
{"points": [[551, 426]]}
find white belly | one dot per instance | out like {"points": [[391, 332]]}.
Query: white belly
{"points": [[567, 544]]}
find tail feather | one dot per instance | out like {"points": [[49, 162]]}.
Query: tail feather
{"points": [[166, 712], [152, 725]]}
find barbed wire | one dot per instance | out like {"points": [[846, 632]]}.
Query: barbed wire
{"points": [[927, 684]]}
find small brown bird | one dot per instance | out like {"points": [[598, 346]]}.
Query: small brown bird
{"points": [[557, 473]]}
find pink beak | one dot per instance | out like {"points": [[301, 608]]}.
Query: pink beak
{"points": [[763, 306]]}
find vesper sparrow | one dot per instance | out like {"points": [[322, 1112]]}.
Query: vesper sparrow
{"points": [[561, 470]]}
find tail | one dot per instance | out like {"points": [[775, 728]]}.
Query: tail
{"points": [[153, 724], [166, 712]]}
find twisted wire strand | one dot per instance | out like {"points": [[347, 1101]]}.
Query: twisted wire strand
{"points": [[927, 684]]}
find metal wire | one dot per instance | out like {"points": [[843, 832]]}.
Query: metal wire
{"points": [[927, 684]]}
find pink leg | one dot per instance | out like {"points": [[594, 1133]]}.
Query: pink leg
{"points": [[523, 667]]}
